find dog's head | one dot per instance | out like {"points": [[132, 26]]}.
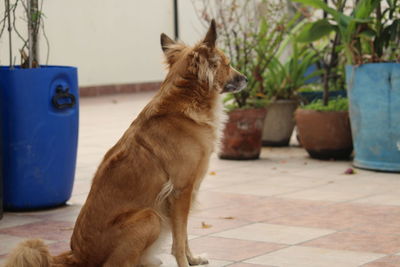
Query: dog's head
{"points": [[204, 62]]}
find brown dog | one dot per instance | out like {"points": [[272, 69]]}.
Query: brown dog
{"points": [[149, 179]]}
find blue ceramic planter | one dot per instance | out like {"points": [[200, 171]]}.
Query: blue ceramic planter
{"points": [[374, 94], [38, 135]]}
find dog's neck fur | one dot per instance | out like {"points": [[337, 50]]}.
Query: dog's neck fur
{"points": [[197, 104]]}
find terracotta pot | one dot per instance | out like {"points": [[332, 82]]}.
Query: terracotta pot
{"points": [[242, 134], [325, 134], [279, 123]]}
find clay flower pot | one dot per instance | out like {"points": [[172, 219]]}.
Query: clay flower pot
{"points": [[325, 134], [242, 134]]}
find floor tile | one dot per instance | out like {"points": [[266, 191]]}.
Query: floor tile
{"points": [[231, 249], [9, 242], [388, 227], [339, 216], [389, 261], [169, 261], [353, 188], [368, 242], [53, 213], [248, 265], [57, 248], [209, 199], [79, 199], [382, 199], [201, 226], [260, 188], [10, 220], [255, 210], [81, 186], [50, 230], [274, 233], [298, 256]]}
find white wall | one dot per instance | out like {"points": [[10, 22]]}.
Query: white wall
{"points": [[110, 41], [191, 30]]}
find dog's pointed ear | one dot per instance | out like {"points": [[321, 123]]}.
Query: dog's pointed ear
{"points": [[166, 42], [211, 36]]}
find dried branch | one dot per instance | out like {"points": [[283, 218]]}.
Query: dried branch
{"points": [[24, 40], [3, 21], [33, 17], [7, 2], [44, 33]]}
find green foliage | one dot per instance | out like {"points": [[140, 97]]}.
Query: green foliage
{"points": [[311, 88], [316, 87], [368, 34], [313, 31], [282, 80], [338, 104], [251, 33], [267, 42], [252, 102]]}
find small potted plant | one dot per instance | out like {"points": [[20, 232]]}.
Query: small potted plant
{"points": [[324, 130], [370, 37], [250, 33], [323, 125], [281, 83], [39, 114]]}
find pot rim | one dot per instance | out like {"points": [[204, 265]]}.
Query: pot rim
{"points": [[321, 111]]}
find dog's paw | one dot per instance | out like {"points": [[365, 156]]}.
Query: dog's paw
{"points": [[198, 260]]}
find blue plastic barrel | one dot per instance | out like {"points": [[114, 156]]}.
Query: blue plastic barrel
{"points": [[39, 135], [374, 94]]}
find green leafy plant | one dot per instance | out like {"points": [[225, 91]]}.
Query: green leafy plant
{"points": [[370, 33], [310, 88], [282, 80], [330, 64], [338, 104], [328, 48], [251, 33]]}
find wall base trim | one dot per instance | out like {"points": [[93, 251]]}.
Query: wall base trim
{"points": [[90, 91]]}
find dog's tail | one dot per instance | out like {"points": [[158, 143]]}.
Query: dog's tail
{"points": [[34, 253]]}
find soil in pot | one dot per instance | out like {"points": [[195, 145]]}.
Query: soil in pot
{"points": [[279, 123], [325, 134], [241, 138]]}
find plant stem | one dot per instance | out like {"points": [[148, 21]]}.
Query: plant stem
{"points": [[30, 34], [35, 20], [9, 28], [333, 63]]}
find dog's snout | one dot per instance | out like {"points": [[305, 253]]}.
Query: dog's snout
{"points": [[241, 78]]}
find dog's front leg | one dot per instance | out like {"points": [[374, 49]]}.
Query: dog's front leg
{"points": [[180, 208], [193, 259]]}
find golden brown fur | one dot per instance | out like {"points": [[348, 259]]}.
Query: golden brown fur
{"points": [[147, 181]]}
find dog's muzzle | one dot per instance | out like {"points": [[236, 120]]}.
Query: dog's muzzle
{"points": [[238, 83]]}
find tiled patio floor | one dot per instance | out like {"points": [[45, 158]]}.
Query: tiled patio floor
{"points": [[283, 210]]}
